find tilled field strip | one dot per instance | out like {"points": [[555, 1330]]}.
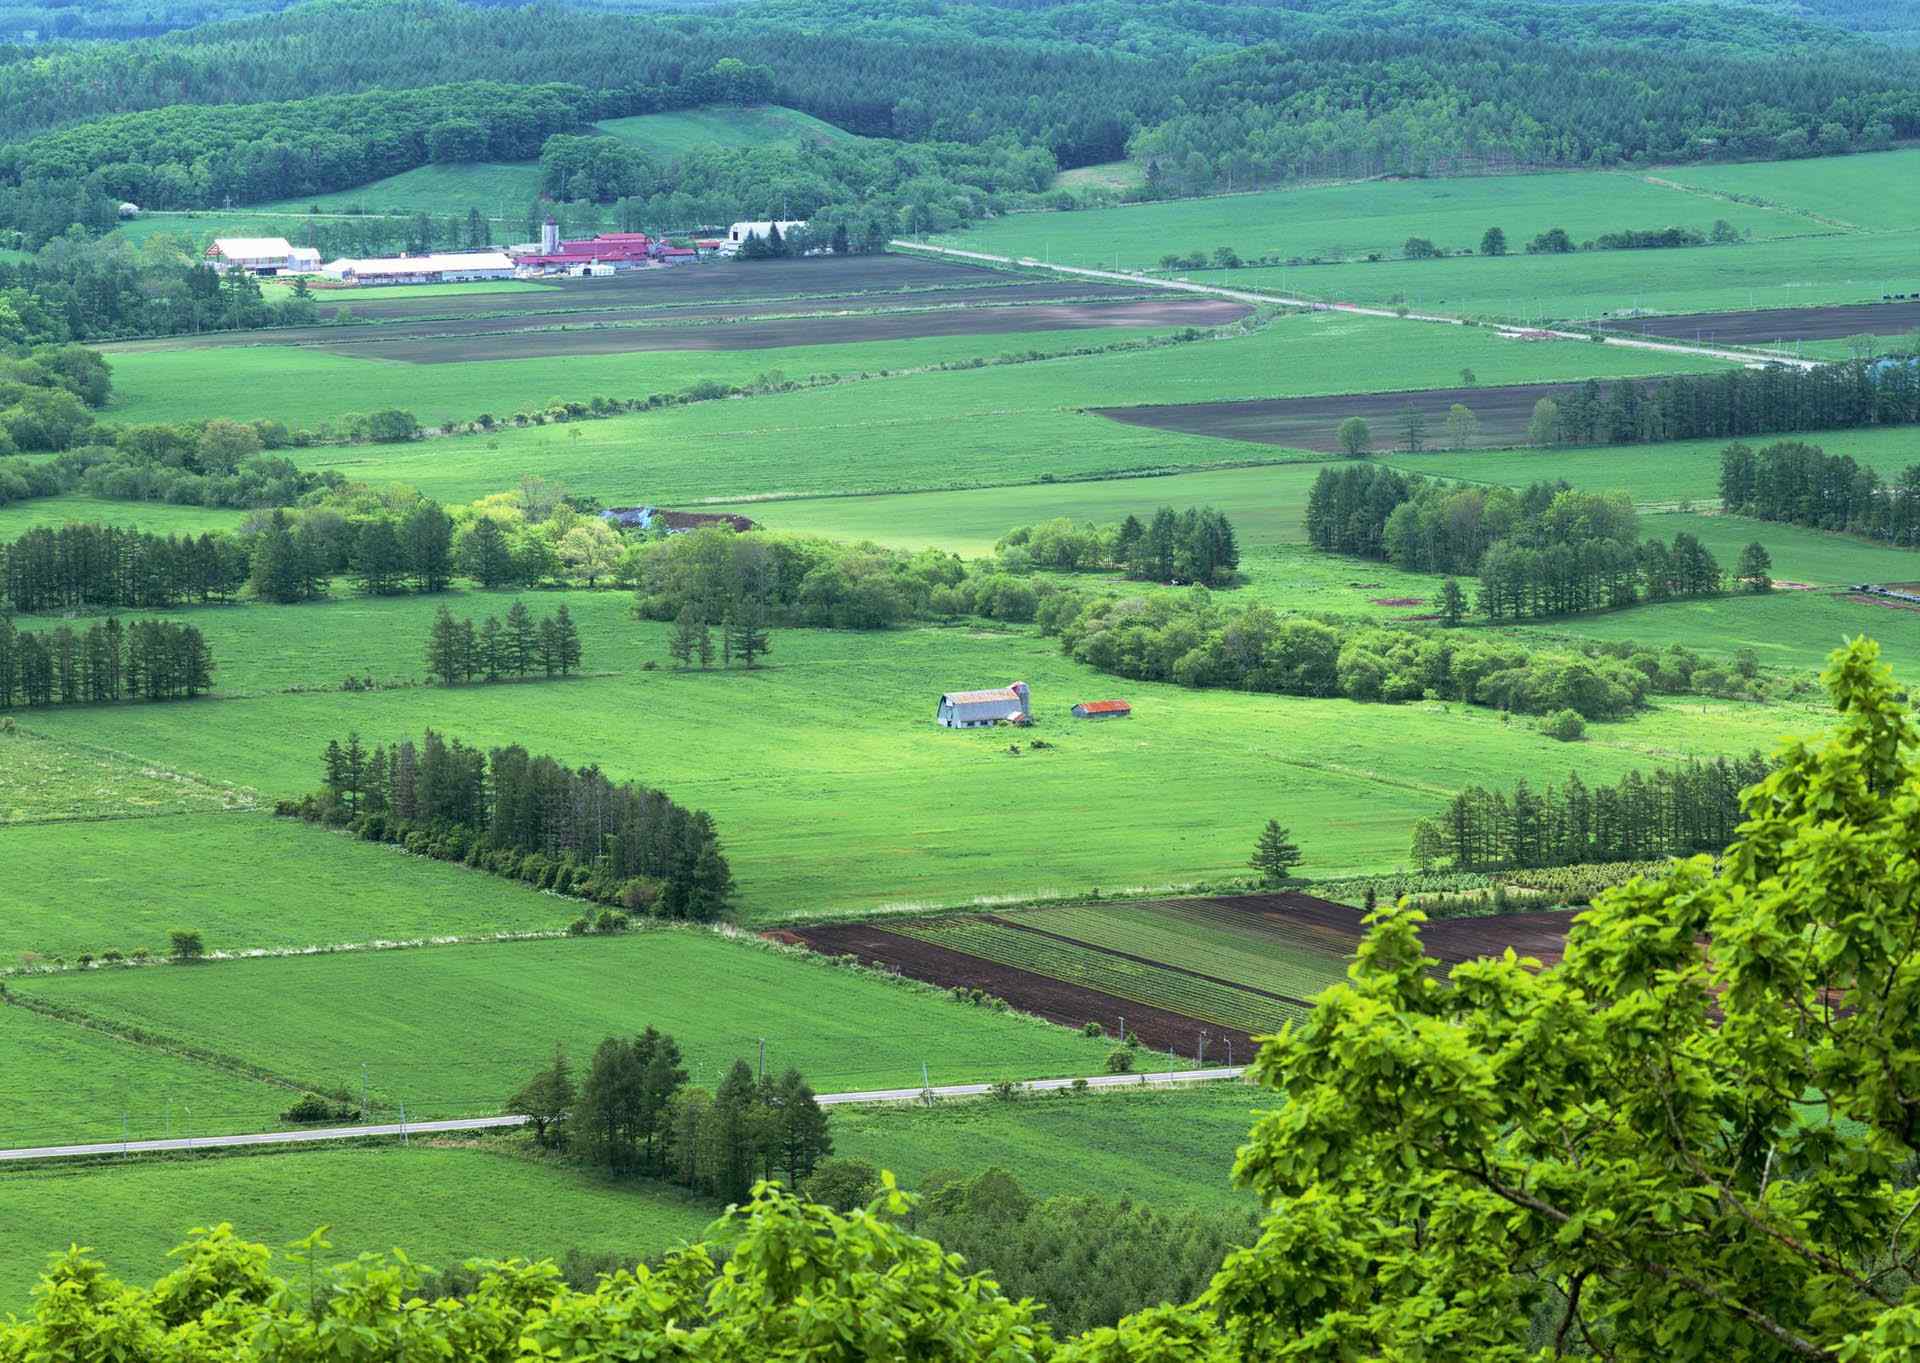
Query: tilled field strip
{"points": [[1288, 999], [1766, 326]]}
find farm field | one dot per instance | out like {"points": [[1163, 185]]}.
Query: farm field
{"points": [[979, 427], [306, 387], [1873, 191], [1823, 270], [1350, 220], [159, 518], [74, 1084], [1774, 326], [47, 781], [668, 134], [891, 802], [444, 1204], [1658, 476], [127, 883], [1164, 1147], [719, 999], [1183, 973]]}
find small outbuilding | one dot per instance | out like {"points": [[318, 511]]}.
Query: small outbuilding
{"points": [[978, 709], [1103, 709]]}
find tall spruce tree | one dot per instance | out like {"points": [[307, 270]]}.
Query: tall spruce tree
{"points": [[1276, 854]]}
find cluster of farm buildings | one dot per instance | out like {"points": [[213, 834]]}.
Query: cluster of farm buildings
{"points": [[1012, 705], [604, 254]]}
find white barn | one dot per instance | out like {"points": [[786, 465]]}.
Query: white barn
{"points": [[740, 231], [262, 256], [977, 709], [447, 267]]}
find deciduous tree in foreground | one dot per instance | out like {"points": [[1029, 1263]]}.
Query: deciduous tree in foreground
{"points": [[1692, 1140]]}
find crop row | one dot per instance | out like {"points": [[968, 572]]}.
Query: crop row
{"points": [[1211, 944], [1202, 1000]]}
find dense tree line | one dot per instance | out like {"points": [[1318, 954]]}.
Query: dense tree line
{"points": [[633, 1113], [1543, 551], [1194, 545], [83, 567], [48, 392], [81, 290], [1802, 484], [530, 818], [1736, 402], [1190, 641], [164, 464], [1672, 812], [457, 652], [146, 660]]}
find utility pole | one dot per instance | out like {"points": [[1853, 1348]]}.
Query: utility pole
{"points": [[403, 1123], [1200, 1052], [926, 1083], [366, 1102]]}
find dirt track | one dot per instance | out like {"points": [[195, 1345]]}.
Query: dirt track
{"points": [[1767, 326], [1314, 423]]}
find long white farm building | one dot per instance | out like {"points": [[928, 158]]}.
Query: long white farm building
{"points": [[448, 267], [261, 256]]}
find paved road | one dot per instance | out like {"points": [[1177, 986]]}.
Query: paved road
{"points": [[354, 1133], [1747, 357]]}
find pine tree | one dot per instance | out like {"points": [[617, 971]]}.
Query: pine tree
{"points": [[443, 648], [1276, 854], [704, 644], [1756, 568], [684, 642], [747, 630], [469, 650], [522, 637], [335, 762], [548, 1097], [803, 1140], [566, 641], [1453, 602], [493, 648], [353, 770], [546, 645]]}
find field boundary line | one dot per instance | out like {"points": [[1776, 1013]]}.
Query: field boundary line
{"points": [[1095, 1082], [1147, 961]]}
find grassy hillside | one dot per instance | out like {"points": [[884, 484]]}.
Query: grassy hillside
{"points": [[130, 882], [159, 518], [666, 135], [1350, 220]]}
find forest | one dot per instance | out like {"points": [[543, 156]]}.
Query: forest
{"points": [[1671, 812], [1235, 95], [530, 818]]}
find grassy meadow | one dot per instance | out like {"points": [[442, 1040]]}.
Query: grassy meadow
{"points": [[444, 1203], [308, 386], [461, 1027], [48, 781], [1874, 191], [865, 802], [1001, 424], [74, 1084], [1348, 221], [128, 883], [158, 518], [666, 135]]}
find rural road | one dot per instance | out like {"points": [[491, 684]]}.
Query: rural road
{"points": [[352, 1133], [1671, 347]]}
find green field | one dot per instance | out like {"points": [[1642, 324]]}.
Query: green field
{"points": [[1350, 220], [46, 781], [1164, 1147], [159, 518], [1658, 476], [72, 1084], [127, 883], [302, 386], [500, 190], [865, 801], [458, 1028], [442, 1204], [961, 428], [1873, 190], [667, 135], [1785, 273]]}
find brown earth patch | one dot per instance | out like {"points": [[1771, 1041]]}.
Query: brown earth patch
{"points": [[1314, 423], [1398, 600], [1766, 326]]}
